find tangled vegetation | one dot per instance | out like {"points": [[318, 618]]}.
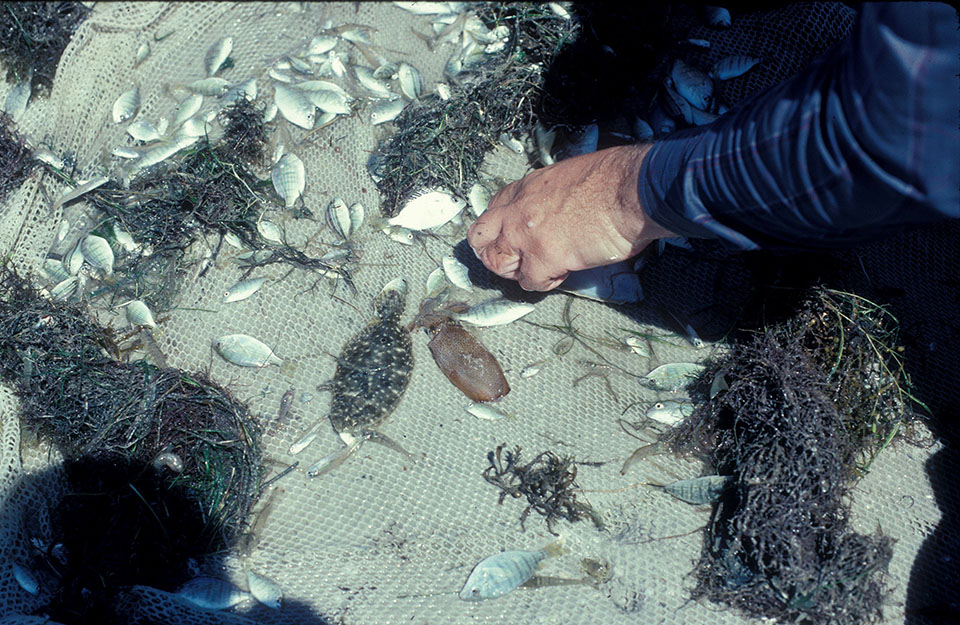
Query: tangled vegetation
{"points": [[33, 35], [809, 405], [444, 142]]}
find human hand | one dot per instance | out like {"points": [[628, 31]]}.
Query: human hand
{"points": [[579, 213]]}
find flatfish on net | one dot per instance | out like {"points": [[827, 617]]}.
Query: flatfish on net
{"points": [[373, 369]]}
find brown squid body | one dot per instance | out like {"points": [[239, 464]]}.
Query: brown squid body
{"points": [[467, 363]]}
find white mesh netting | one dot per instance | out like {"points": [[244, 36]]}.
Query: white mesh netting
{"points": [[380, 539]]}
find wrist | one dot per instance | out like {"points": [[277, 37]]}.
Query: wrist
{"points": [[637, 225]]}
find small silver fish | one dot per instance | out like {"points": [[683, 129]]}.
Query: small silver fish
{"points": [[486, 412], [54, 270], [245, 351], [139, 315], [718, 17], [384, 111], [90, 185], [211, 593], [18, 98], [356, 218], [143, 131], [329, 101], [187, 109], [265, 590], [322, 85], [247, 90], [694, 85], [98, 253], [46, 156], [143, 51], [126, 105], [212, 86], [670, 411], [321, 44], [501, 573], [370, 83], [429, 209], [294, 105], [270, 231], [65, 289], [217, 54], [494, 312], [289, 178], [672, 377], [733, 66], [700, 490], [478, 198], [411, 84], [638, 346], [243, 289], [457, 273], [338, 216], [436, 281], [25, 578]]}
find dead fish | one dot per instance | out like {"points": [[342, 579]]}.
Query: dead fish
{"points": [[733, 66], [478, 198], [270, 231], [486, 412], [428, 209], [457, 273], [139, 315], [670, 411], [501, 573], [143, 51], [366, 79], [98, 253], [494, 312], [126, 105], [245, 351], [384, 111], [718, 17], [672, 376], [143, 131], [338, 216], [700, 490], [411, 84], [212, 86], [217, 54], [187, 109], [289, 178], [294, 105], [321, 44], [265, 590], [211, 593], [25, 578], [467, 363], [90, 185], [695, 86], [329, 102], [356, 218], [285, 403], [242, 290], [18, 98]]}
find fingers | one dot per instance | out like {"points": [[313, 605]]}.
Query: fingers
{"points": [[501, 258], [534, 275], [484, 231]]}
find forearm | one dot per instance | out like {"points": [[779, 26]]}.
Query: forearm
{"points": [[862, 143]]}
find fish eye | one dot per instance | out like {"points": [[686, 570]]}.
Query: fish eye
{"points": [[226, 293], [475, 591], [659, 404]]}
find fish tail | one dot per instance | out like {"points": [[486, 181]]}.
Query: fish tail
{"points": [[556, 548]]}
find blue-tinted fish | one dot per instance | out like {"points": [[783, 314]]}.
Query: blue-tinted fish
{"points": [[501, 573], [733, 66]]}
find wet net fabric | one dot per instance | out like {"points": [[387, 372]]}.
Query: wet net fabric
{"points": [[382, 539]]}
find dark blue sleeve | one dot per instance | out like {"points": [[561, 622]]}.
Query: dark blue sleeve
{"points": [[862, 143]]}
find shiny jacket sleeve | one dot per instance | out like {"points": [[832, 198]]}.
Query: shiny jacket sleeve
{"points": [[862, 143]]}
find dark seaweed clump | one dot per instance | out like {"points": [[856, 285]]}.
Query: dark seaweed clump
{"points": [[15, 162], [810, 403], [33, 35], [75, 392], [444, 142], [210, 189], [548, 483]]}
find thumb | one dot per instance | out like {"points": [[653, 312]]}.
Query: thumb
{"points": [[534, 275], [484, 231]]}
